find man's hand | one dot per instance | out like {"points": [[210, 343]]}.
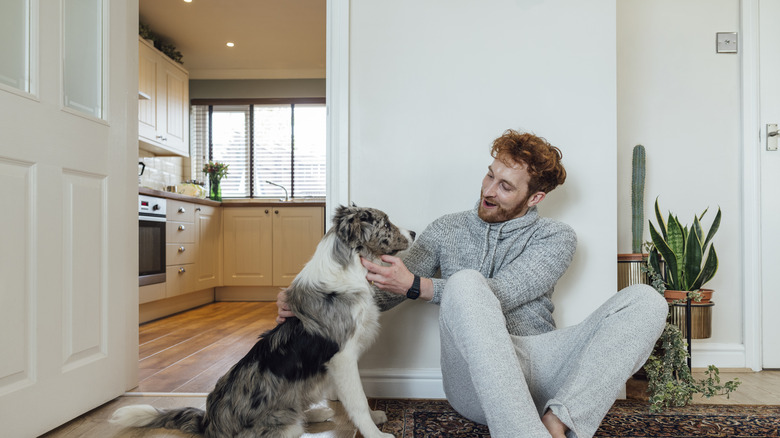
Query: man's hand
{"points": [[395, 278], [283, 311]]}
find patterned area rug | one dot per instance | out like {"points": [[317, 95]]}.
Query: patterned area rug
{"points": [[626, 419]]}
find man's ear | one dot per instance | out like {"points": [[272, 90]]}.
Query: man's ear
{"points": [[536, 198]]}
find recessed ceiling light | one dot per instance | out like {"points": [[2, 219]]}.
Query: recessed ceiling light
{"points": [[230, 44], [187, 1]]}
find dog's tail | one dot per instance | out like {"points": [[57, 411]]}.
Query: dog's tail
{"points": [[188, 420]]}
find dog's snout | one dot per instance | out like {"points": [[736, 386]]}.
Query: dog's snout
{"points": [[413, 234]]}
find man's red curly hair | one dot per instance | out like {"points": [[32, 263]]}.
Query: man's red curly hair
{"points": [[542, 158]]}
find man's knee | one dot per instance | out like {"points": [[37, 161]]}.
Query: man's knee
{"points": [[651, 303], [464, 285], [467, 295]]}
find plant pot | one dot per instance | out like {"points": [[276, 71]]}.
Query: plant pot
{"points": [[637, 386], [630, 270], [674, 295], [701, 319]]}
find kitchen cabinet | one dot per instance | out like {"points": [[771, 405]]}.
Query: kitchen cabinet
{"points": [[180, 248], [163, 103], [208, 233], [268, 246]]}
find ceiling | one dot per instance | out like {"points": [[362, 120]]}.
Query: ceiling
{"points": [[274, 39]]}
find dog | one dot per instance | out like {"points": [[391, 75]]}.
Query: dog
{"points": [[267, 393]]}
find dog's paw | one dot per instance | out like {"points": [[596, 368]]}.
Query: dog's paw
{"points": [[379, 417], [319, 415]]}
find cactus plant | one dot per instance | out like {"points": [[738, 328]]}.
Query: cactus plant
{"points": [[637, 198]]}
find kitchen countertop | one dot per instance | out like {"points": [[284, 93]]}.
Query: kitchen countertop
{"points": [[317, 202]]}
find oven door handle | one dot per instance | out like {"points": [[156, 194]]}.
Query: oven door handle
{"points": [[142, 217]]}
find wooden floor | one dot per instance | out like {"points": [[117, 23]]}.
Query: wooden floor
{"points": [[182, 356], [188, 352]]}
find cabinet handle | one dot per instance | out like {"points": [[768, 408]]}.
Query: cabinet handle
{"points": [[266, 211], [182, 249], [197, 209], [182, 210], [181, 228], [182, 270], [276, 211]]}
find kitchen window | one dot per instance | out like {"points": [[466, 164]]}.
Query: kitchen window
{"points": [[267, 144]]}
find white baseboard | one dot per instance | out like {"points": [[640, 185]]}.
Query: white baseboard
{"points": [[721, 355], [403, 382], [427, 382]]}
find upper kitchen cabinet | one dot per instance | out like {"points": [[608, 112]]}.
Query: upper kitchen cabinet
{"points": [[163, 103]]}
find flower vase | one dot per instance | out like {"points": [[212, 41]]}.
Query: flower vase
{"points": [[215, 189]]}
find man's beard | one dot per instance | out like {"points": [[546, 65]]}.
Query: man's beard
{"points": [[500, 213]]}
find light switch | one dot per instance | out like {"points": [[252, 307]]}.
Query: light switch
{"points": [[726, 42]]}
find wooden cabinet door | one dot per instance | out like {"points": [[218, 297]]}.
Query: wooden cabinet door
{"points": [[163, 103], [174, 90], [209, 247], [248, 237], [297, 231], [147, 91]]}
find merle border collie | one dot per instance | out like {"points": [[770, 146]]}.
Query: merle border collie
{"points": [[268, 393]]}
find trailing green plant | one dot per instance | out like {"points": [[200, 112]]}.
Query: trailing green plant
{"points": [[670, 382], [167, 48], [637, 198], [683, 251]]}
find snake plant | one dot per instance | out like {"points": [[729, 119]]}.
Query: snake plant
{"points": [[689, 255]]}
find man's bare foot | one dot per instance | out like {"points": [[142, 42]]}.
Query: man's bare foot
{"points": [[554, 425]]}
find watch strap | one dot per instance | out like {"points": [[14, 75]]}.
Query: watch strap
{"points": [[414, 292]]}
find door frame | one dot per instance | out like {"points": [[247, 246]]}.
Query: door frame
{"points": [[337, 103], [751, 184]]}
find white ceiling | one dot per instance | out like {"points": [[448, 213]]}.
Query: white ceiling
{"points": [[274, 39]]}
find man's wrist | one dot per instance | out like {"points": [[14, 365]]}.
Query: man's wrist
{"points": [[414, 292]]}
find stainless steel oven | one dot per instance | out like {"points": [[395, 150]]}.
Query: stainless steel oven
{"points": [[151, 240]]}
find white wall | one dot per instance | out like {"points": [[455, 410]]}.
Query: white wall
{"points": [[431, 85], [681, 100]]}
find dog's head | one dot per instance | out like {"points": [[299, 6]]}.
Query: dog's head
{"points": [[369, 232]]}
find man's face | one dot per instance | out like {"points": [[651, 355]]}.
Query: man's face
{"points": [[504, 194]]}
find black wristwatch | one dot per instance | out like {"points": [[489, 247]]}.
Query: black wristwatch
{"points": [[414, 292]]}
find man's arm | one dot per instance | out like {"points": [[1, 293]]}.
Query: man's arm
{"points": [[393, 281]]}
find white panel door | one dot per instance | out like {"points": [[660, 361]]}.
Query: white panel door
{"points": [[769, 35], [68, 231]]}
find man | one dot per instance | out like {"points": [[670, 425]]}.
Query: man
{"points": [[503, 362]]}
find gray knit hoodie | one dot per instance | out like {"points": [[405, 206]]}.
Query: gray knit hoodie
{"points": [[522, 259]]}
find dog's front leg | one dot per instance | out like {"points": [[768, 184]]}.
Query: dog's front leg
{"points": [[343, 370]]}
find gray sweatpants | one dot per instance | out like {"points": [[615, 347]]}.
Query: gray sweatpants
{"points": [[508, 382]]}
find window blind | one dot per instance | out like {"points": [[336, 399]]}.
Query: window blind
{"points": [[281, 143]]}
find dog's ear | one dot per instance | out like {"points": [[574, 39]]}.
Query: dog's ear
{"points": [[352, 224]]}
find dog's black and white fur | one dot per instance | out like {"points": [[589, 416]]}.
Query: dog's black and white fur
{"points": [[268, 391]]}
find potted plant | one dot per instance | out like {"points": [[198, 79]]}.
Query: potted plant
{"points": [[630, 266], [215, 171], [689, 256], [681, 260]]}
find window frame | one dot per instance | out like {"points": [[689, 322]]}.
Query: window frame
{"points": [[254, 101]]}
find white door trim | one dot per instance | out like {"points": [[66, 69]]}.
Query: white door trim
{"points": [[751, 183], [337, 101]]}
